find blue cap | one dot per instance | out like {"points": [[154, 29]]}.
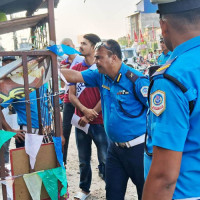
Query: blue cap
{"points": [[176, 6]]}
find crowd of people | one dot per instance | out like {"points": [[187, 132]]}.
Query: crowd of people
{"points": [[145, 128]]}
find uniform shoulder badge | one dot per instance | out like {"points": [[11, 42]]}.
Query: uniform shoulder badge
{"points": [[163, 68], [158, 102], [144, 91]]}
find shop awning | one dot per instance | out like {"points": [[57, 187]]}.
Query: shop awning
{"points": [[22, 23], [14, 6]]}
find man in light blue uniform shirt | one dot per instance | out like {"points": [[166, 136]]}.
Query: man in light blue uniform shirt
{"points": [[172, 159], [124, 105], [164, 56]]}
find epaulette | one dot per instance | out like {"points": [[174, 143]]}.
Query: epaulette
{"points": [[164, 67], [131, 76]]}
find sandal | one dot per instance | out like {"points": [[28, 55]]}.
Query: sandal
{"points": [[81, 196]]}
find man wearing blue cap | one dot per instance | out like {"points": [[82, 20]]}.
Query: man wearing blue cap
{"points": [[172, 159]]}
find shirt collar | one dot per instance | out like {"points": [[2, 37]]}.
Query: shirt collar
{"points": [[119, 75], [85, 65], [186, 46], [67, 61], [168, 53]]}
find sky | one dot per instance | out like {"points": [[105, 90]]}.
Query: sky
{"points": [[106, 18]]}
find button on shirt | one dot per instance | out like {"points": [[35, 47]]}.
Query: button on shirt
{"points": [[175, 129], [118, 99], [162, 59]]}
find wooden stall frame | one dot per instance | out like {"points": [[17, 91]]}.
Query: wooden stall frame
{"points": [[24, 55]]}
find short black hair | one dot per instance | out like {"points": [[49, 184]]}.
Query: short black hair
{"points": [[92, 38], [161, 40], [115, 48]]}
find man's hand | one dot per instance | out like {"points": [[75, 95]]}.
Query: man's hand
{"points": [[90, 114], [20, 135], [83, 121], [6, 171]]}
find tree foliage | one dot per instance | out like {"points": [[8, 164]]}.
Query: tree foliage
{"points": [[124, 41]]}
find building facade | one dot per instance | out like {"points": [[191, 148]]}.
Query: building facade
{"points": [[144, 21]]}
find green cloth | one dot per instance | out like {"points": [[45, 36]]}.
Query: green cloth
{"points": [[60, 173], [50, 183], [5, 136], [50, 180]]}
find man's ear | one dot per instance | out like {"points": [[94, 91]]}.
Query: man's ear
{"points": [[164, 28], [93, 49], [114, 58]]}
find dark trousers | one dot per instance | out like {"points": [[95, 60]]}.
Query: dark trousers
{"points": [[6, 151], [122, 164], [68, 112], [84, 141], [19, 143]]}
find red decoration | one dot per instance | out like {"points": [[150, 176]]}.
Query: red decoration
{"points": [[141, 37]]}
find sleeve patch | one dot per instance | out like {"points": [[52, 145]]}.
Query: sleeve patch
{"points": [[144, 91], [158, 102]]}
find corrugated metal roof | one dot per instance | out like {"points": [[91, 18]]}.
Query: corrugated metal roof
{"points": [[14, 6]]}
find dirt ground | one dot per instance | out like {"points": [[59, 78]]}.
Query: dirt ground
{"points": [[98, 185]]}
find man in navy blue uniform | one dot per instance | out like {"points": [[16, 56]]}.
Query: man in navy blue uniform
{"points": [[172, 159], [124, 105]]}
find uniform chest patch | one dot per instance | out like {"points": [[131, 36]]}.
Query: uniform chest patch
{"points": [[158, 102], [121, 92], [144, 91], [106, 87]]}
